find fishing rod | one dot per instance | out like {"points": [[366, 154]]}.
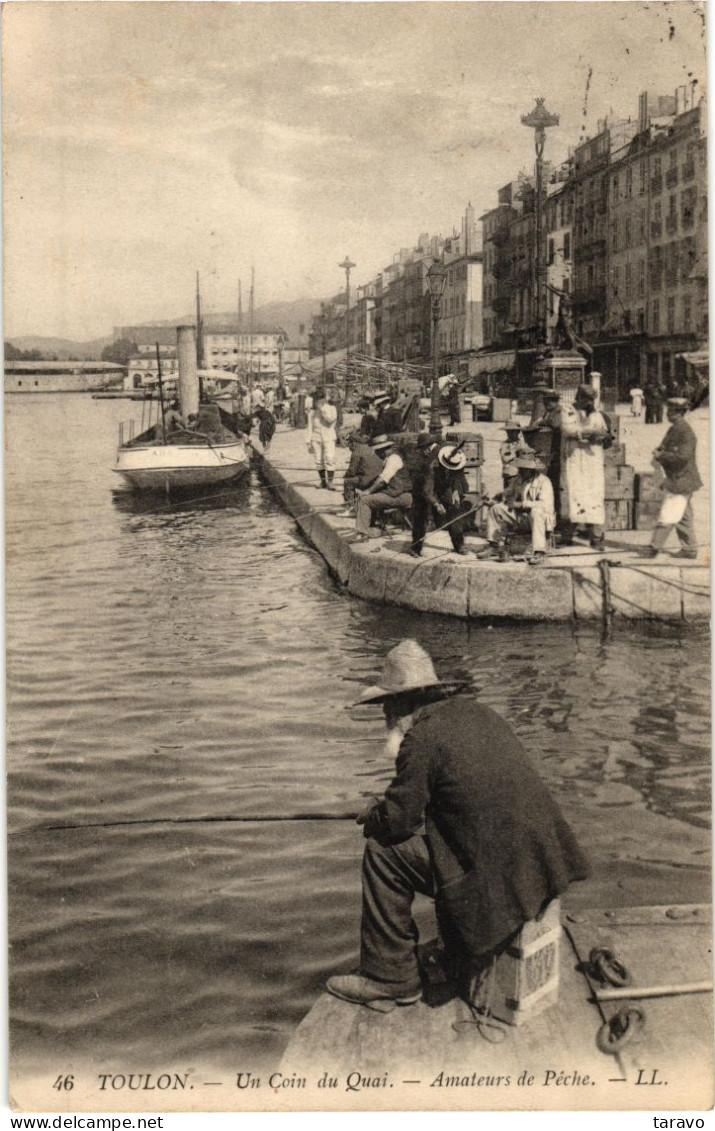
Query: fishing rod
{"points": [[243, 819]]}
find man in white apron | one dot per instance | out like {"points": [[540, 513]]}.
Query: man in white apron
{"points": [[583, 478]]}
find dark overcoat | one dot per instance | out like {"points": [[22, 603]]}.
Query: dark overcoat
{"points": [[677, 458], [500, 848]]}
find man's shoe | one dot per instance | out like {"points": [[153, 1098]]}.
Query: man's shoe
{"points": [[535, 557], [690, 555], [492, 551], [415, 553], [650, 551], [598, 543], [360, 990]]}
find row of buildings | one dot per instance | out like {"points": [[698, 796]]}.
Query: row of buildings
{"points": [[625, 242], [261, 355]]}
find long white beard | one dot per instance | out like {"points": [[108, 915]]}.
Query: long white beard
{"points": [[395, 735]]}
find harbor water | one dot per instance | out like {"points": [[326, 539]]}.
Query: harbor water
{"points": [[174, 666]]}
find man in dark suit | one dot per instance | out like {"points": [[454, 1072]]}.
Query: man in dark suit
{"points": [[466, 819], [676, 455]]}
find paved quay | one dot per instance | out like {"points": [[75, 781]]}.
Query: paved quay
{"points": [[573, 583]]}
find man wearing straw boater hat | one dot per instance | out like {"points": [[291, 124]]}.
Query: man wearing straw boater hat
{"points": [[466, 820]]}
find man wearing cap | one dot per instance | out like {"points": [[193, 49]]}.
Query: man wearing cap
{"points": [[583, 480], [362, 471], [532, 508], [513, 446], [466, 820], [676, 455], [320, 437], [419, 462], [392, 488]]}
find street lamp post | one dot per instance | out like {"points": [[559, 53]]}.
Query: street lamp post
{"points": [[539, 120], [347, 266], [437, 279]]}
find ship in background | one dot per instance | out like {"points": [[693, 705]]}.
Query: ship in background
{"points": [[62, 376]]}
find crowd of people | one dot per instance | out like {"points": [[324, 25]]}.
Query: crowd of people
{"points": [[548, 496]]}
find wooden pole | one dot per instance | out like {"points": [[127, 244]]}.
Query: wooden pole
{"points": [[676, 989]]}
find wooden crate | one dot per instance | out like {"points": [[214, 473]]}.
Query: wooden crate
{"points": [[646, 513], [615, 455], [648, 486], [619, 514], [619, 482], [525, 978]]}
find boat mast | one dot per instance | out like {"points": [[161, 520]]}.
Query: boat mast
{"points": [[199, 336], [239, 334], [250, 333], [161, 393]]}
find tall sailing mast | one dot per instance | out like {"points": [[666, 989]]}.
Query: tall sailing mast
{"points": [[250, 331], [199, 328], [239, 335]]}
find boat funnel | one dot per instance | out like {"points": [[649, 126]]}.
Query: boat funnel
{"points": [[188, 375]]}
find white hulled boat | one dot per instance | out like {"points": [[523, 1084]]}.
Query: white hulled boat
{"points": [[209, 450]]}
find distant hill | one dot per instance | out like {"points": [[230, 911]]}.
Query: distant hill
{"points": [[63, 348], [291, 316]]}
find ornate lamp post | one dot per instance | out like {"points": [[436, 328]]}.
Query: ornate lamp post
{"points": [[437, 279], [539, 120], [347, 267]]}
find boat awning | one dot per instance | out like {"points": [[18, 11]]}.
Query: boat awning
{"points": [[315, 364], [499, 361], [700, 359]]}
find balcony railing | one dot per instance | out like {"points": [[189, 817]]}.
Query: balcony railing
{"points": [[656, 184], [671, 177]]}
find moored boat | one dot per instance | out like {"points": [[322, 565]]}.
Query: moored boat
{"points": [[205, 448]]}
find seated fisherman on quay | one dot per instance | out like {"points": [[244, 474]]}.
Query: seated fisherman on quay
{"points": [[465, 820], [363, 469], [531, 508], [391, 489]]}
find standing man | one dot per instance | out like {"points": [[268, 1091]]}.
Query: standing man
{"points": [[454, 406], [320, 438], [465, 820], [583, 478], [420, 465], [451, 487], [676, 455], [512, 447], [392, 488], [258, 398], [653, 397]]}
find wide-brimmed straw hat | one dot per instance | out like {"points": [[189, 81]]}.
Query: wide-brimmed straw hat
{"points": [[452, 459], [382, 441], [511, 426], [380, 399], [530, 463], [407, 667]]}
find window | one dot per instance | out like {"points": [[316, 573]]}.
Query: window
{"points": [[641, 278], [656, 167], [673, 158], [641, 226], [629, 182], [614, 236], [642, 171], [551, 252], [687, 312], [616, 280], [616, 191], [640, 320], [628, 280], [567, 245], [671, 314], [655, 320]]}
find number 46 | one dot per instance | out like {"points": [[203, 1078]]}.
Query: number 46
{"points": [[64, 1083]]}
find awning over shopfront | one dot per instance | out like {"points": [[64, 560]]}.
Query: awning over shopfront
{"points": [[699, 359]]}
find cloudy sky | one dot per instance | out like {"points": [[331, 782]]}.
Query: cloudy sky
{"points": [[145, 141]]}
